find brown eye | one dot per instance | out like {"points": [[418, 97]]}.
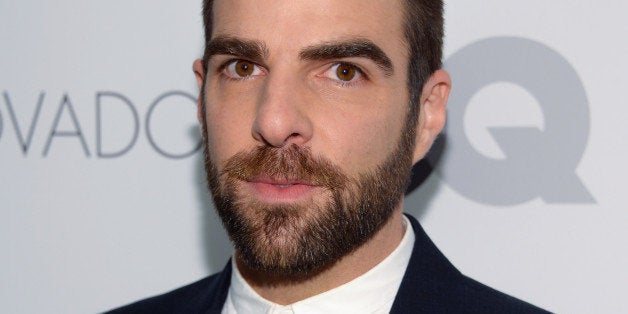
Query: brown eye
{"points": [[345, 72], [244, 68]]}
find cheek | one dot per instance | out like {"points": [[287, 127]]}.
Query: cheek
{"points": [[229, 122], [365, 131], [368, 143]]}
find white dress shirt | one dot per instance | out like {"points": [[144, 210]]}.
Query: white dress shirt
{"points": [[372, 292]]}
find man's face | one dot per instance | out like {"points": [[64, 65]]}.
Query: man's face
{"points": [[306, 103]]}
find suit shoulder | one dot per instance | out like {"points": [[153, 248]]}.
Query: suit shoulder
{"points": [[198, 297], [432, 284], [479, 298]]}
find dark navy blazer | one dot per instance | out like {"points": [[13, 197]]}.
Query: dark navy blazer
{"points": [[431, 284]]}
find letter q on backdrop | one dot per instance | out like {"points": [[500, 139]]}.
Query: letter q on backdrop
{"points": [[102, 192]]}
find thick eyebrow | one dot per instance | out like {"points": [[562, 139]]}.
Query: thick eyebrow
{"points": [[362, 48], [226, 45]]}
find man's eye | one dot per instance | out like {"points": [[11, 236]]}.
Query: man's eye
{"points": [[344, 72], [239, 69]]}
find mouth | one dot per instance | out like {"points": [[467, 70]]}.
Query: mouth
{"points": [[273, 190]]}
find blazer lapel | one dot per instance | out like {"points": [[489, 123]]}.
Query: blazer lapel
{"points": [[215, 295], [428, 279]]}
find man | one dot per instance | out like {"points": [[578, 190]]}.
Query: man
{"points": [[313, 113]]}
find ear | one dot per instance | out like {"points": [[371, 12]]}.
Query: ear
{"points": [[432, 112], [199, 72]]}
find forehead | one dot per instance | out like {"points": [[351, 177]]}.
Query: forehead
{"points": [[289, 25]]}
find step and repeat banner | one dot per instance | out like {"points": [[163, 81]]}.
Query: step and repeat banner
{"points": [[102, 191]]}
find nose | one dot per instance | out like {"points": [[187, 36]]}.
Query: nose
{"points": [[282, 114]]}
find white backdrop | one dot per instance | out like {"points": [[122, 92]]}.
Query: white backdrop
{"points": [[102, 196]]}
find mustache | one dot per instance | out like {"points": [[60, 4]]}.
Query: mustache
{"points": [[290, 163]]}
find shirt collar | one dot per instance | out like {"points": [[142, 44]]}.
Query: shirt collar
{"points": [[372, 292]]}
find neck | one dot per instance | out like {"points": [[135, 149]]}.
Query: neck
{"points": [[344, 270]]}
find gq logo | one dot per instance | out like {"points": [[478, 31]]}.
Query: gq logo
{"points": [[537, 163]]}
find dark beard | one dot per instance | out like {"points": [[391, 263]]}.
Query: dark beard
{"points": [[299, 240]]}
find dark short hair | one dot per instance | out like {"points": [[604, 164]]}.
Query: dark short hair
{"points": [[424, 34]]}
